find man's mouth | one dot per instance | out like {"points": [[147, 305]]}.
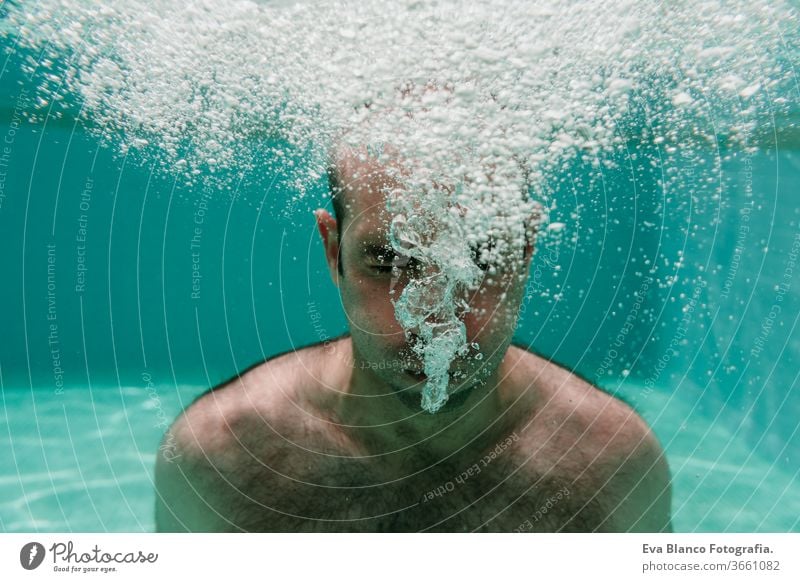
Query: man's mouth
{"points": [[421, 376], [417, 375]]}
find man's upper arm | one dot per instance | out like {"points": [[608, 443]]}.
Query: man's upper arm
{"points": [[640, 487], [182, 480]]}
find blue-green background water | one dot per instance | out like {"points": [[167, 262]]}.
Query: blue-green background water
{"points": [[92, 361]]}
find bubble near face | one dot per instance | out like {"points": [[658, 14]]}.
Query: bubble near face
{"points": [[427, 309], [434, 235]]}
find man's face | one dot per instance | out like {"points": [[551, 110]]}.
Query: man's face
{"points": [[373, 276]]}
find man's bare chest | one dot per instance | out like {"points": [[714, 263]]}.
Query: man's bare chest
{"points": [[349, 495]]}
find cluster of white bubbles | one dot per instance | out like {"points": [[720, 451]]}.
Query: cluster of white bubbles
{"points": [[483, 101]]}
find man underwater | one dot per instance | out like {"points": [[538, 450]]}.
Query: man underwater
{"points": [[331, 437]]}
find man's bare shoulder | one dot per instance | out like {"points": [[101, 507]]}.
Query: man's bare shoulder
{"points": [[564, 396], [229, 434], [271, 394], [603, 444]]}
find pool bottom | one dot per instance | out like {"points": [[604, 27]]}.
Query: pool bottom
{"points": [[86, 463]]}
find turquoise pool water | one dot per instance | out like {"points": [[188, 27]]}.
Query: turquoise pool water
{"points": [[117, 311]]}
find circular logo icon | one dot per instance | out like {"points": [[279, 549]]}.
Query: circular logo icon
{"points": [[31, 555]]}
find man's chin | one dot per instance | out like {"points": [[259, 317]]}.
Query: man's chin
{"points": [[459, 389], [457, 377]]}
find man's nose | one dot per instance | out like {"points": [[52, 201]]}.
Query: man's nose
{"points": [[437, 302]]}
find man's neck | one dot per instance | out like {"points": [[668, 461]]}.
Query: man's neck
{"points": [[380, 422]]}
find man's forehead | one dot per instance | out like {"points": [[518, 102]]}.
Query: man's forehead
{"points": [[365, 184], [368, 229]]}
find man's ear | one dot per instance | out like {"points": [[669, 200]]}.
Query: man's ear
{"points": [[530, 238], [326, 224], [531, 228]]}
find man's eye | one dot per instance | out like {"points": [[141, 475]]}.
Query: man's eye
{"points": [[398, 265]]}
